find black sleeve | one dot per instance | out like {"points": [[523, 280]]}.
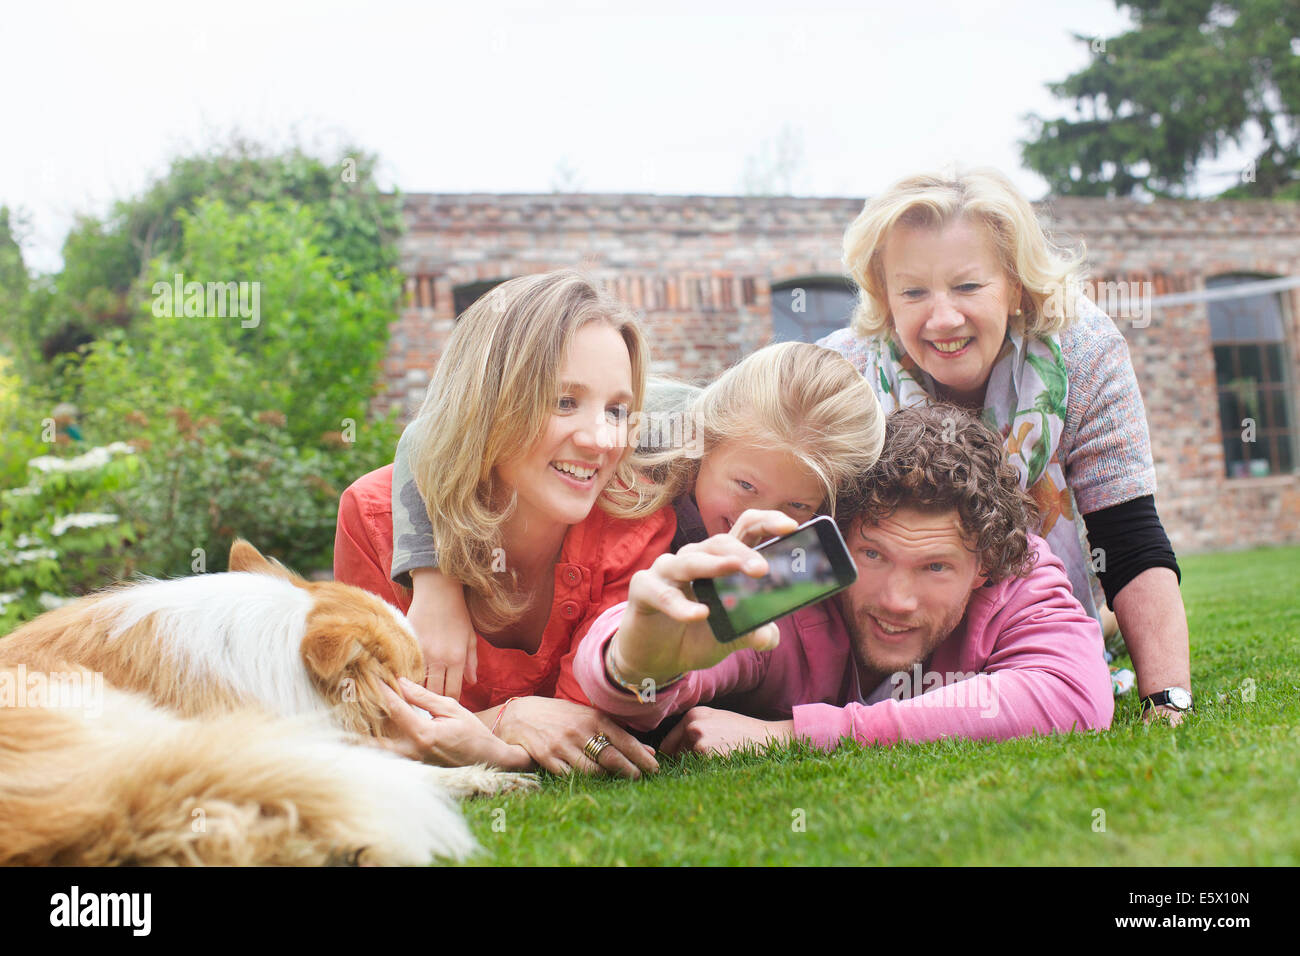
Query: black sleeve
{"points": [[690, 526], [1131, 539]]}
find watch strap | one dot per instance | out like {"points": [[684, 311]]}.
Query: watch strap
{"points": [[1164, 699]]}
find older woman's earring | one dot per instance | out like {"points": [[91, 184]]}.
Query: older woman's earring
{"points": [[1017, 312]]}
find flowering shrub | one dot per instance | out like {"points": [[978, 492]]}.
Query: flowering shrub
{"points": [[246, 426], [203, 482], [244, 429], [55, 542]]}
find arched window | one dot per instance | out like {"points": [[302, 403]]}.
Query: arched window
{"points": [[805, 310], [1251, 359], [463, 296]]}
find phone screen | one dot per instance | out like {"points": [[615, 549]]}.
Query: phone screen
{"points": [[799, 572]]}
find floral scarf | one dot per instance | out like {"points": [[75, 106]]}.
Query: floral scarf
{"points": [[1025, 401]]}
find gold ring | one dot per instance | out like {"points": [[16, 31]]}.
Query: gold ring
{"points": [[593, 747]]}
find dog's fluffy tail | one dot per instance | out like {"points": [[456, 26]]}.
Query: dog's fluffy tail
{"points": [[136, 785]]}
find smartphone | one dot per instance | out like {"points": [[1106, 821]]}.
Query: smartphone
{"points": [[805, 566]]}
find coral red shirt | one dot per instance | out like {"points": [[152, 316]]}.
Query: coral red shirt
{"points": [[597, 561]]}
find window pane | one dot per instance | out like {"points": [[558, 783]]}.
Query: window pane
{"points": [[1220, 323], [1244, 391], [807, 311], [1251, 367], [1230, 423], [1252, 362], [1223, 363], [463, 296], [1270, 320], [1273, 363], [1252, 318], [1237, 324], [1275, 414], [835, 306], [1229, 413]]}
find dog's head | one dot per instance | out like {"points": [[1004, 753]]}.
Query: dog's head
{"points": [[354, 642]]}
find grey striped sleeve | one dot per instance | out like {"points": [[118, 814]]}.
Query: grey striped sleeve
{"points": [[1105, 447], [413, 544], [663, 418]]}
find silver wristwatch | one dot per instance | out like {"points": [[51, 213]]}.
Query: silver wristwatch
{"points": [[1175, 697]]}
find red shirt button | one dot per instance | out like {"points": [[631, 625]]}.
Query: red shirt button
{"points": [[572, 575], [570, 610]]}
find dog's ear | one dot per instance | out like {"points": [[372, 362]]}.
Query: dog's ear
{"points": [[245, 557], [327, 649]]}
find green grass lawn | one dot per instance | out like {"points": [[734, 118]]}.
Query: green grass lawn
{"points": [[1218, 790]]}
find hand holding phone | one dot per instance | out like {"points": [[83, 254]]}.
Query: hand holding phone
{"points": [[665, 630], [805, 566]]}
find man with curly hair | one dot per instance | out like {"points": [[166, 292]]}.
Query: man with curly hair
{"points": [[961, 622]]}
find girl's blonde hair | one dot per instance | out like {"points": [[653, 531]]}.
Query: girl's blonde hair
{"points": [[792, 396], [1049, 276], [491, 398]]}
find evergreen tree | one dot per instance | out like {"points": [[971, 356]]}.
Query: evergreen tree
{"points": [[1156, 102]]}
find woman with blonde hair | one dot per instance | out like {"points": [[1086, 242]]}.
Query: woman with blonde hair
{"points": [[963, 298], [520, 452]]}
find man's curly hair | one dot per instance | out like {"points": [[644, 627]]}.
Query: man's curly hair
{"points": [[939, 457]]}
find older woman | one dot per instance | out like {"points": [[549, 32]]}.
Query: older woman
{"points": [[962, 298]]}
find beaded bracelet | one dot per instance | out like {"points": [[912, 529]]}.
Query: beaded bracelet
{"points": [[645, 694]]}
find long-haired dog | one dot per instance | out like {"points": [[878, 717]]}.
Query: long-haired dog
{"points": [[214, 719]]}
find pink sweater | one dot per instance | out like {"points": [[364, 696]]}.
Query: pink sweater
{"points": [[1026, 659]]}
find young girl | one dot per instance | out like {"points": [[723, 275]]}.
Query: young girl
{"points": [[783, 430], [778, 431]]}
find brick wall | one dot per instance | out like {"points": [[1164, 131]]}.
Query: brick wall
{"points": [[700, 270]]}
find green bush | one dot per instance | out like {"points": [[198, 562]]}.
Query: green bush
{"points": [[105, 258], [204, 482], [239, 426], [22, 435], [59, 533], [248, 427]]}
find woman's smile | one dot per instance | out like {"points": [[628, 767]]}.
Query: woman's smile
{"points": [[950, 297], [952, 347], [576, 474]]}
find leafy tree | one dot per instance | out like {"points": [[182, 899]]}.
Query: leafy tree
{"points": [[21, 399], [241, 424], [13, 273], [317, 337], [104, 258], [1192, 77], [250, 424]]}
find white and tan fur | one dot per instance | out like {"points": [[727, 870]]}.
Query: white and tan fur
{"points": [[228, 733]]}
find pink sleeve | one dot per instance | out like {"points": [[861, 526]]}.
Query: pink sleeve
{"points": [[740, 671], [620, 558], [1044, 673]]}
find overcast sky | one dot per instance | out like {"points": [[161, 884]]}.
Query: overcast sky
{"points": [[663, 97]]}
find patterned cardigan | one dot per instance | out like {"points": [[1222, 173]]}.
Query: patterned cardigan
{"points": [[1105, 447]]}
